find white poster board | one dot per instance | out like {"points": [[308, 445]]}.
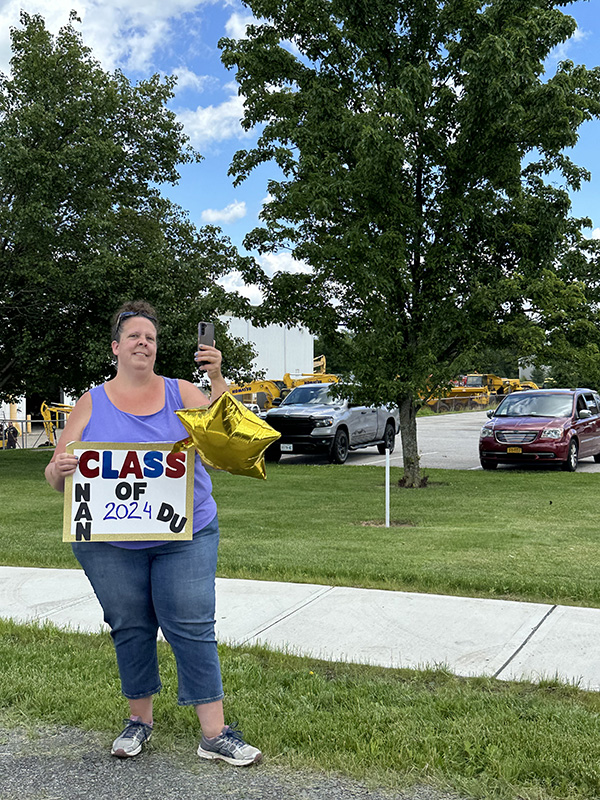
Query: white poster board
{"points": [[129, 492]]}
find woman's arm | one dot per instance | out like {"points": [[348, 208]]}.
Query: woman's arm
{"points": [[62, 463]]}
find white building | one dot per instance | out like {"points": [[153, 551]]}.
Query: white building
{"points": [[280, 348]]}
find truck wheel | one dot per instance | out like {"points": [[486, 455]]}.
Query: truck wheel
{"points": [[273, 453], [389, 439], [339, 449], [570, 465]]}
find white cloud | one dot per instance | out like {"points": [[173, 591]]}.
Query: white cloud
{"points": [[282, 262], [596, 233], [234, 283], [236, 25], [186, 79], [214, 123], [235, 210], [123, 33]]}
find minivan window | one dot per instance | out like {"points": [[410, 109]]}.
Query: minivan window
{"points": [[536, 405], [590, 403]]}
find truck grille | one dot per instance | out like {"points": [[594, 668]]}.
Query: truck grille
{"points": [[516, 437], [297, 426]]}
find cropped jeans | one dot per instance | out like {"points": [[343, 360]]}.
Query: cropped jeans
{"points": [[171, 586]]}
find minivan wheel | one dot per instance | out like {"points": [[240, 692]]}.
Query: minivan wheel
{"points": [[570, 465]]}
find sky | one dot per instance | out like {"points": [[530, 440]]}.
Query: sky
{"points": [[180, 37]]}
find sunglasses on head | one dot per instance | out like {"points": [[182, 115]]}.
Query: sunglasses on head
{"points": [[126, 314]]}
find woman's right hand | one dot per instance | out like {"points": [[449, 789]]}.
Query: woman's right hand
{"points": [[65, 464]]}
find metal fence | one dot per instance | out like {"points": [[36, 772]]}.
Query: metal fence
{"points": [[483, 402], [30, 433]]}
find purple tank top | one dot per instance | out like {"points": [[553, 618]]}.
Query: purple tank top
{"points": [[109, 424]]}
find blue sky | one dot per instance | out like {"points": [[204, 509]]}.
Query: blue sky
{"points": [[180, 37]]}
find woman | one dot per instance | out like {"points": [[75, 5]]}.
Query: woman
{"points": [[142, 586]]}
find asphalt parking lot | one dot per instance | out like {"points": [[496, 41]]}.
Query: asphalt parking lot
{"points": [[446, 441]]}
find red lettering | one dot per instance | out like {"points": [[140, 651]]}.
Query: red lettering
{"points": [[84, 461], [175, 465], [131, 466]]}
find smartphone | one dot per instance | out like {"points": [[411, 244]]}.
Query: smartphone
{"points": [[206, 335]]}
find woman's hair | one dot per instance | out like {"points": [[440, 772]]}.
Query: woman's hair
{"points": [[132, 308]]}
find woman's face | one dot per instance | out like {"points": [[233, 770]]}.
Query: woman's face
{"points": [[136, 347]]}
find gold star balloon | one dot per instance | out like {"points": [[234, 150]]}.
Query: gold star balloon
{"points": [[228, 436]]}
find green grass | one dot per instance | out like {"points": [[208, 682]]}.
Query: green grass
{"points": [[526, 535], [386, 727], [520, 535]]}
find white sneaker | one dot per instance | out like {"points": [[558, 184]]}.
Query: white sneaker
{"points": [[131, 739], [229, 746]]}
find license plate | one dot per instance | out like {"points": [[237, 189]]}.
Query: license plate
{"points": [[514, 449], [287, 448]]}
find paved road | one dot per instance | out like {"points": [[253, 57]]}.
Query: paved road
{"points": [[446, 441]]}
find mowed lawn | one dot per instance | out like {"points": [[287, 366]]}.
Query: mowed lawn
{"points": [[528, 535]]}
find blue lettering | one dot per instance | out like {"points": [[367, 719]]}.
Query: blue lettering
{"points": [[107, 470], [154, 466]]}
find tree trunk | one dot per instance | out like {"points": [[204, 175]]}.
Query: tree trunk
{"points": [[410, 451]]}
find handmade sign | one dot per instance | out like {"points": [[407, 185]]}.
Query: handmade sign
{"points": [[129, 492], [228, 436]]}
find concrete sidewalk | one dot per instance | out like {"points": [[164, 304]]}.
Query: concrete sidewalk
{"points": [[503, 639]]}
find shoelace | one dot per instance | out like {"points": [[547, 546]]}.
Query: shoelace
{"points": [[132, 726]]}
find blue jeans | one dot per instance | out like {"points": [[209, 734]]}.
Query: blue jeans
{"points": [[171, 586]]}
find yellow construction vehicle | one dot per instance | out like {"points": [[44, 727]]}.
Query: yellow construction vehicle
{"points": [[319, 365], [528, 385], [260, 393], [268, 394], [299, 379], [478, 391], [496, 385], [50, 415], [476, 382]]}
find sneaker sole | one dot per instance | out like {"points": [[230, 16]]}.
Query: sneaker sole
{"points": [[123, 754], [235, 762]]}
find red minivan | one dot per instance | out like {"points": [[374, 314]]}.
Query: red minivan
{"points": [[554, 426]]}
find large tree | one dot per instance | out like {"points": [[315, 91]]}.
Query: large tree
{"points": [[423, 177], [83, 225]]}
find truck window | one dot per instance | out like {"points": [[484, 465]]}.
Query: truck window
{"points": [[309, 395], [474, 380]]}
